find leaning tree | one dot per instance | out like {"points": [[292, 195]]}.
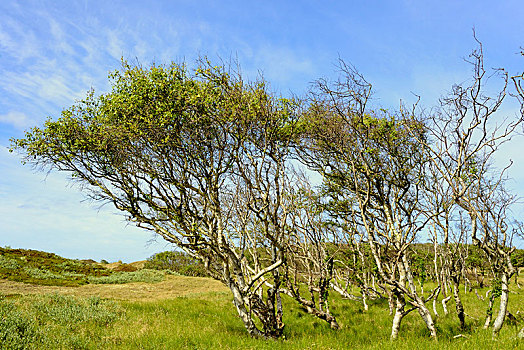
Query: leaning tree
{"points": [[198, 158], [465, 135], [371, 165]]}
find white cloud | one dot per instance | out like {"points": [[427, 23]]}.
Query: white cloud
{"points": [[16, 119], [283, 64], [17, 40], [115, 46], [60, 39], [45, 212], [279, 65]]}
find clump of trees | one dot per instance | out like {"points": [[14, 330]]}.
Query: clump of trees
{"points": [[176, 261], [216, 166]]}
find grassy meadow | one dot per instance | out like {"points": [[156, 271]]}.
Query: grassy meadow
{"points": [[182, 312]]}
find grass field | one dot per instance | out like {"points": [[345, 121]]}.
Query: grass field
{"points": [[206, 320], [197, 313]]}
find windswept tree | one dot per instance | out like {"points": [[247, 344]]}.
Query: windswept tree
{"points": [[464, 135], [449, 233], [313, 246], [370, 161], [188, 156], [206, 160]]}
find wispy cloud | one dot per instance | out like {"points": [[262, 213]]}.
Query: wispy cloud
{"points": [[283, 63], [43, 212], [15, 119], [16, 41]]}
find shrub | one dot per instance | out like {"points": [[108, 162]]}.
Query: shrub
{"points": [[178, 262], [8, 264], [32, 266], [55, 321], [125, 268], [517, 258], [145, 275], [43, 274], [17, 331], [68, 310]]}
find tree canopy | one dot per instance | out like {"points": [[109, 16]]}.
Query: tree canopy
{"points": [[215, 165]]}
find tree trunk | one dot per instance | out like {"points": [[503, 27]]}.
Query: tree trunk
{"points": [[244, 315], [489, 311], [399, 315], [250, 304], [428, 320], [458, 304], [364, 297], [344, 293], [499, 321], [435, 303], [280, 311], [444, 306], [521, 334], [391, 302], [311, 308]]}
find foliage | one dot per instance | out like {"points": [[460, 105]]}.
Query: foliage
{"points": [[32, 266], [144, 275], [517, 258], [188, 155], [17, 330], [178, 262], [55, 321], [205, 160], [36, 267]]}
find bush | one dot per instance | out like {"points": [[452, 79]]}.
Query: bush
{"points": [[17, 331], [8, 264], [178, 262], [56, 321], [69, 310], [125, 268], [36, 267], [517, 258], [145, 275]]}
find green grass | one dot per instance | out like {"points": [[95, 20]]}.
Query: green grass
{"points": [[55, 321], [209, 321], [145, 275]]}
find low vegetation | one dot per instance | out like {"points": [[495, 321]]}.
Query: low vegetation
{"points": [[55, 321], [145, 275], [41, 268], [206, 320], [36, 267], [209, 321], [178, 262]]}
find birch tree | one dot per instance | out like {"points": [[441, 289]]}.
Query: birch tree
{"points": [[168, 148], [371, 156], [465, 134], [313, 247]]}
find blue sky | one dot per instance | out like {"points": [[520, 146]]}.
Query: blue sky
{"points": [[52, 52]]}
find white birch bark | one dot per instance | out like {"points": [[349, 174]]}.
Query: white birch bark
{"points": [[435, 304], [504, 296], [489, 313], [397, 318], [444, 304]]}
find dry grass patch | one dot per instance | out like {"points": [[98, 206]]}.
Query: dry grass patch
{"points": [[171, 287]]}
